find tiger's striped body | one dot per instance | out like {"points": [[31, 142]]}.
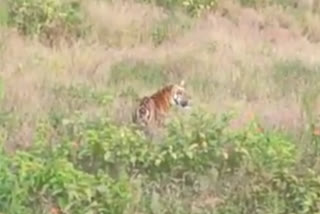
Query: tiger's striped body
{"points": [[152, 110]]}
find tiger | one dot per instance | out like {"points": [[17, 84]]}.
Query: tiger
{"points": [[153, 109]]}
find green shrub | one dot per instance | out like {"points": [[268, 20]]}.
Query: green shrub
{"points": [[187, 148], [43, 178], [302, 192], [282, 192], [194, 144], [85, 164], [268, 151], [47, 18], [112, 148]]}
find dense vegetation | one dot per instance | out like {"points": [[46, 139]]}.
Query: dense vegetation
{"points": [[200, 166], [81, 154]]}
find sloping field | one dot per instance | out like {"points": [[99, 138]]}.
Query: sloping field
{"points": [[71, 73]]}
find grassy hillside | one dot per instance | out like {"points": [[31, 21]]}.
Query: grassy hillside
{"points": [[71, 72]]}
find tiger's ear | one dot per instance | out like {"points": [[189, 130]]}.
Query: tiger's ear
{"points": [[182, 83]]}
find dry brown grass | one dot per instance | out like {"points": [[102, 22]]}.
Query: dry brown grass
{"points": [[230, 55], [311, 27], [122, 23]]}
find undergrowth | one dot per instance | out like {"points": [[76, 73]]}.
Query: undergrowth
{"points": [[78, 164]]}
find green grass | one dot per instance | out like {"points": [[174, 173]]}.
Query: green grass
{"points": [[204, 85], [129, 71], [296, 77]]}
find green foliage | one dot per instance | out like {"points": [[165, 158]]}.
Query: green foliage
{"points": [[266, 151], [302, 192], [282, 192], [89, 164], [43, 178], [83, 164], [47, 18]]}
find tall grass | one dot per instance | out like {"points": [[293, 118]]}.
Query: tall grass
{"points": [[67, 144]]}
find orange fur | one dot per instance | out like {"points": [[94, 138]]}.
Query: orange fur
{"points": [[162, 99], [153, 109]]}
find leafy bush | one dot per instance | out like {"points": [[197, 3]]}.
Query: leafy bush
{"points": [[47, 18], [193, 145], [302, 193], [282, 192], [267, 151], [43, 178], [36, 184], [91, 165]]}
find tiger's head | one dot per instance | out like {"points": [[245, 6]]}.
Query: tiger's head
{"points": [[179, 96]]}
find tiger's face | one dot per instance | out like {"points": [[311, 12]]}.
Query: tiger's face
{"points": [[179, 97]]}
